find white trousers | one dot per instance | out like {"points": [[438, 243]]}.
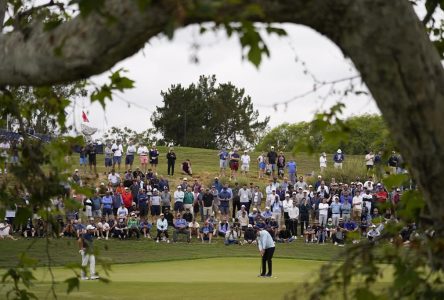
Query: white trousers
{"points": [[92, 263]]}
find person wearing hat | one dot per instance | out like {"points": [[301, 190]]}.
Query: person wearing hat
{"points": [[338, 159], [323, 162], [86, 250], [153, 156], [133, 225], [272, 160], [155, 204], [117, 149], [335, 207], [234, 164], [142, 151], [114, 178], [245, 159], [373, 233], [223, 161], [178, 199], [76, 177], [180, 227], [249, 236], [162, 228], [292, 170], [266, 249], [165, 198], [261, 160], [207, 200]]}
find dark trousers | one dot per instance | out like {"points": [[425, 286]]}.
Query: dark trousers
{"points": [[266, 258], [171, 167], [293, 226], [236, 207], [304, 223], [159, 233]]}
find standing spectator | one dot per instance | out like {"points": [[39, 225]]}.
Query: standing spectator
{"points": [[393, 163], [301, 184], [245, 159], [335, 212], [369, 160], [323, 162], [188, 199], [114, 178], [280, 164], [224, 197], [223, 161], [271, 159], [162, 228], [83, 159], [142, 203], [277, 210], [338, 159], [171, 160], [357, 206], [261, 165], [345, 211], [96, 202], [293, 214], [287, 205], [142, 151], [91, 151], [165, 197], [154, 158], [117, 148], [257, 197], [234, 164], [108, 158], [130, 152], [207, 199], [323, 212], [292, 171], [5, 146], [245, 197], [107, 205], [178, 199]]}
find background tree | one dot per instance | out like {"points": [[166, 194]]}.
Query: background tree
{"points": [[146, 137], [207, 115]]}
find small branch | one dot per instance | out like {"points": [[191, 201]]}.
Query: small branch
{"points": [[33, 9], [430, 11]]}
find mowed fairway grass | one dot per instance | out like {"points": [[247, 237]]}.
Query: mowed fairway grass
{"points": [[214, 278]]}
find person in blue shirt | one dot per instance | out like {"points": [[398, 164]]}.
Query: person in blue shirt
{"points": [[107, 205], [142, 203], [224, 227], [338, 159], [206, 232], [224, 197], [266, 248], [292, 171], [223, 161], [335, 211], [217, 185], [180, 227], [145, 227]]}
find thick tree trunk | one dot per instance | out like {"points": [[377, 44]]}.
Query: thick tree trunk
{"points": [[384, 38]]}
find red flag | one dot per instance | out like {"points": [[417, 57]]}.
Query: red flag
{"points": [[84, 117]]}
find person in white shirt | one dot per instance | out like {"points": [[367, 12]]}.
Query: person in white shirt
{"points": [[323, 162], [323, 212], [357, 207], [162, 228], [117, 148], [369, 183], [129, 158], [269, 188], [114, 178], [245, 197], [293, 214], [245, 159], [323, 187], [178, 199], [370, 160], [266, 248], [122, 212], [142, 151], [287, 204], [277, 209]]}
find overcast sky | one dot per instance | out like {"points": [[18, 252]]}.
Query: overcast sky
{"points": [[164, 62]]}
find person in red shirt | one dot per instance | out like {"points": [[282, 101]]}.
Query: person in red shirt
{"points": [[381, 194], [127, 198]]}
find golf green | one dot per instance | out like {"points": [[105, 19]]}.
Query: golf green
{"points": [[215, 278]]}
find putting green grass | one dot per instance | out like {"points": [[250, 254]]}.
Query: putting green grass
{"points": [[214, 278]]}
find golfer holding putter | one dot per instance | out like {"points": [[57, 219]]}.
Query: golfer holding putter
{"points": [[266, 248], [87, 253]]}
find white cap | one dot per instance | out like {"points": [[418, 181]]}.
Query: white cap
{"points": [[185, 178], [76, 170], [243, 205], [287, 195], [179, 187], [272, 147], [90, 227], [339, 151], [155, 190]]}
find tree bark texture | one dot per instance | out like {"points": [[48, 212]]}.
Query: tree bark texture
{"points": [[385, 39]]}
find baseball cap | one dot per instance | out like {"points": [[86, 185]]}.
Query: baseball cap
{"points": [[76, 170], [287, 195], [161, 215], [90, 227], [179, 186], [155, 190], [185, 179], [242, 205], [250, 226]]}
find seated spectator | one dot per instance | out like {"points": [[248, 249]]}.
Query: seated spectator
{"points": [[187, 215], [194, 229], [250, 235], [231, 237], [206, 232], [169, 217], [339, 237], [186, 167], [373, 233], [122, 212], [321, 235], [243, 221], [274, 226], [266, 214], [180, 227], [237, 227], [133, 226], [121, 229], [330, 228], [162, 228], [78, 227], [284, 235], [223, 228], [145, 228], [5, 230], [69, 230], [309, 234], [28, 229]]}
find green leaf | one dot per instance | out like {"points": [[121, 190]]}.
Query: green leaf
{"points": [[73, 283], [88, 6], [50, 25]]}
